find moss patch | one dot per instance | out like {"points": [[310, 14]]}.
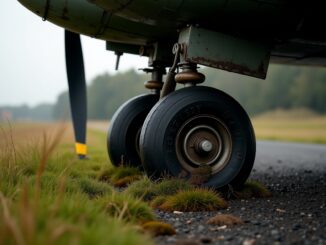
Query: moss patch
{"points": [[252, 189]]}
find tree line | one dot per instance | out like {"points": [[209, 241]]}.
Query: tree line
{"points": [[285, 87]]}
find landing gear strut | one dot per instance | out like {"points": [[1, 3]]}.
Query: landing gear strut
{"points": [[186, 130]]}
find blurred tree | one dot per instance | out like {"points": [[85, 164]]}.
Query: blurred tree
{"points": [[285, 87]]}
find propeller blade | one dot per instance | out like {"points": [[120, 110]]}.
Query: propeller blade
{"points": [[77, 90]]}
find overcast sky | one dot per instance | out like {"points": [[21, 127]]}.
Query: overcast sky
{"points": [[32, 61]]}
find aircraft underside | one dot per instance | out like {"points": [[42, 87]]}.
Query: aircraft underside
{"points": [[196, 132]]}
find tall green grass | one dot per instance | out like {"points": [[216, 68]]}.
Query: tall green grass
{"points": [[47, 196]]}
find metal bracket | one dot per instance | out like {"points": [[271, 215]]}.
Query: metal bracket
{"points": [[224, 52]]}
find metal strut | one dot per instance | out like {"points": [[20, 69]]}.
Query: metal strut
{"points": [[156, 83], [189, 76], [46, 10], [170, 83]]}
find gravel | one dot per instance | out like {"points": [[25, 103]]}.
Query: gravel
{"points": [[295, 214]]}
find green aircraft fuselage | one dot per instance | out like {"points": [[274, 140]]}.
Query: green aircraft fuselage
{"points": [[291, 29], [144, 21]]}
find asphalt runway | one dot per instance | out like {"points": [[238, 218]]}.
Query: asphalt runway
{"points": [[290, 157], [295, 214]]}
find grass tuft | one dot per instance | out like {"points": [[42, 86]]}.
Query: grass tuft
{"points": [[157, 228], [252, 189], [126, 180], [171, 186], [105, 175], [128, 208], [225, 219], [193, 201], [94, 188], [143, 189], [158, 201], [148, 190], [120, 176]]}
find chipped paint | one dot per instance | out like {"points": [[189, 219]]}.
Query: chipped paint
{"points": [[224, 52], [259, 72]]}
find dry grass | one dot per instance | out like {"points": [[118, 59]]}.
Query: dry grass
{"points": [[157, 228], [291, 126], [120, 176], [225, 219], [158, 201]]}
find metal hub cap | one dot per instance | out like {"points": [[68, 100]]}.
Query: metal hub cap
{"points": [[203, 141], [206, 146]]}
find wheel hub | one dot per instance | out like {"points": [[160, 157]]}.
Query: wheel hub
{"points": [[203, 141], [205, 146]]}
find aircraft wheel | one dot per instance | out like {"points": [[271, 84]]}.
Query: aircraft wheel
{"points": [[198, 127], [125, 127]]}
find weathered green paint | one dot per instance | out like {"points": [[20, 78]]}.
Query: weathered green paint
{"points": [[290, 27], [123, 48], [144, 21], [224, 52], [86, 18]]}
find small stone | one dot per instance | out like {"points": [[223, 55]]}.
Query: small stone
{"points": [[280, 210], [171, 239], [200, 228], [220, 238], [256, 223], [223, 227], [185, 230], [249, 242], [296, 227], [276, 235], [206, 239], [229, 238], [177, 224]]}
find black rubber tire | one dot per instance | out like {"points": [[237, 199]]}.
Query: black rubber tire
{"points": [[125, 123], [158, 135]]}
